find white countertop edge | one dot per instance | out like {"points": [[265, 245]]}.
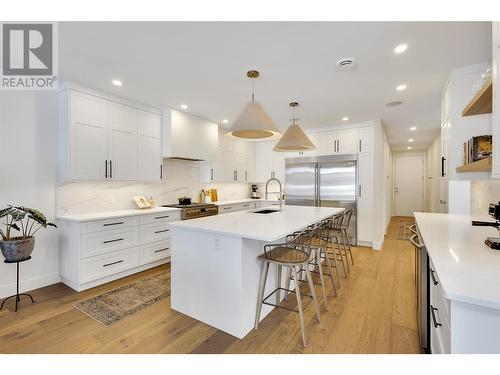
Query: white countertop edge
{"points": [[244, 200], [92, 216], [182, 225], [471, 300]]}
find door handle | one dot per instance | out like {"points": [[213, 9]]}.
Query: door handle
{"points": [[111, 169], [442, 166], [396, 190], [106, 169]]}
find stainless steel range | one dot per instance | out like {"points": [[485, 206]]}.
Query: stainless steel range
{"points": [[195, 210]]}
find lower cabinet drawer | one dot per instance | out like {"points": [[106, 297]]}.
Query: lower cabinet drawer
{"points": [[441, 327], [99, 243], [104, 265], [155, 251], [154, 232]]}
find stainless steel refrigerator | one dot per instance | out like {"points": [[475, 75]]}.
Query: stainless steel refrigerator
{"points": [[323, 181]]}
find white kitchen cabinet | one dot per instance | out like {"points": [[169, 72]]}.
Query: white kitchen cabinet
{"points": [[344, 141], [189, 137], [123, 153], [365, 142], [88, 133], [233, 207], [269, 163], [104, 139], [365, 198]]}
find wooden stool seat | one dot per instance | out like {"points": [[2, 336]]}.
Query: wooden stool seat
{"points": [[285, 255]]}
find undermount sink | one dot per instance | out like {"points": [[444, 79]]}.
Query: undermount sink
{"points": [[267, 211]]}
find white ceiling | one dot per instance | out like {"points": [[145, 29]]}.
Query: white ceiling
{"points": [[204, 64]]}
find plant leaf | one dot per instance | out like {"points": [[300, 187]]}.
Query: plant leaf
{"points": [[14, 226], [51, 225], [5, 211]]}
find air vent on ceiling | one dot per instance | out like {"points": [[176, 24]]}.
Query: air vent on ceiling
{"points": [[394, 104], [346, 63]]}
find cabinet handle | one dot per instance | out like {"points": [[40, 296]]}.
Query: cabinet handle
{"points": [[360, 145], [434, 321], [110, 224], [246, 205], [161, 172], [162, 217], [334, 145], [211, 174], [106, 169], [162, 231], [338, 145], [116, 240], [227, 208], [111, 169], [246, 176], [434, 281], [235, 175], [110, 264], [360, 191], [442, 166], [159, 250]]}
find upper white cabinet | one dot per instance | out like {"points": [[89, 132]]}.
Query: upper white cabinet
{"points": [[103, 139], [338, 141], [299, 154], [189, 137], [365, 139], [234, 162], [269, 163]]}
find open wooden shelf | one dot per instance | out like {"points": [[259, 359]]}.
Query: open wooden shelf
{"points": [[481, 103], [483, 165]]}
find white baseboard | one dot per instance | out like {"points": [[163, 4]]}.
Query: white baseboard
{"points": [[29, 284]]}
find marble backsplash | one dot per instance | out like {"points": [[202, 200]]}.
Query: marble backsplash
{"points": [[182, 178], [482, 194]]}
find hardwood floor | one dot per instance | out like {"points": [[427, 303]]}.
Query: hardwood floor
{"points": [[373, 313]]}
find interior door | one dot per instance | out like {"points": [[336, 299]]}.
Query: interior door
{"points": [[300, 180], [408, 184]]}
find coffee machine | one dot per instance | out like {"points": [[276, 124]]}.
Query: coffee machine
{"points": [[255, 192], [494, 212]]}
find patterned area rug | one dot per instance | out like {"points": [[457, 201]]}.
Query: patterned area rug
{"points": [[117, 304], [404, 231]]}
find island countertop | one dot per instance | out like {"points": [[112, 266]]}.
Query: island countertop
{"points": [[263, 227], [469, 270]]}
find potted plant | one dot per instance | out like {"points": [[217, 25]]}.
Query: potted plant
{"points": [[21, 224]]}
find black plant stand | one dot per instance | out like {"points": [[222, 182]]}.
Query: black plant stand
{"points": [[17, 295]]}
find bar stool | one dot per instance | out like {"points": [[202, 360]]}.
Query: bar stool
{"points": [[293, 256], [316, 241], [344, 227], [334, 225]]}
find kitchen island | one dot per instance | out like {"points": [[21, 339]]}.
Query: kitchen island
{"points": [[464, 283], [215, 265]]}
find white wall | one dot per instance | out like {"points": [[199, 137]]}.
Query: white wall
{"points": [[28, 155], [433, 176]]}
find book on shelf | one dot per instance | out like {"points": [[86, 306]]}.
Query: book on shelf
{"points": [[477, 148]]}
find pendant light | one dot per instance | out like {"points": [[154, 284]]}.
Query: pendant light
{"points": [[294, 138], [254, 123]]}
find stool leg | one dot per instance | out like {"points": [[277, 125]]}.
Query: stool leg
{"points": [[287, 282], [299, 306], [313, 293], [17, 286], [341, 257], [330, 270], [344, 250], [320, 269], [278, 284], [262, 287], [348, 242]]}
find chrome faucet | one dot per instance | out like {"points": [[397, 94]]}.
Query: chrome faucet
{"points": [[280, 198]]}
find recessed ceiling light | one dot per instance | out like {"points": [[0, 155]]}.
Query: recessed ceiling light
{"points": [[394, 104], [409, 147], [401, 48], [184, 106], [410, 140], [117, 82], [401, 87], [413, 128], [345, 118], [225, 121]]}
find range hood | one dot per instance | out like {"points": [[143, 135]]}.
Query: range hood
{"points": [[188, 137]]}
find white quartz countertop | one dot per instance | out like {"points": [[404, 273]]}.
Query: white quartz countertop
{"points": [[244, 200], [469, 271], [262, 227], [113, 214]]}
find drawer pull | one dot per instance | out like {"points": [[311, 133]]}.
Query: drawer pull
{"points": [[434, 321], [110, 264], [246, 205], [227, 208], [157, 251], [162, 217], [434, 281], [109, 224], [163, 230], [116, 240]]}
